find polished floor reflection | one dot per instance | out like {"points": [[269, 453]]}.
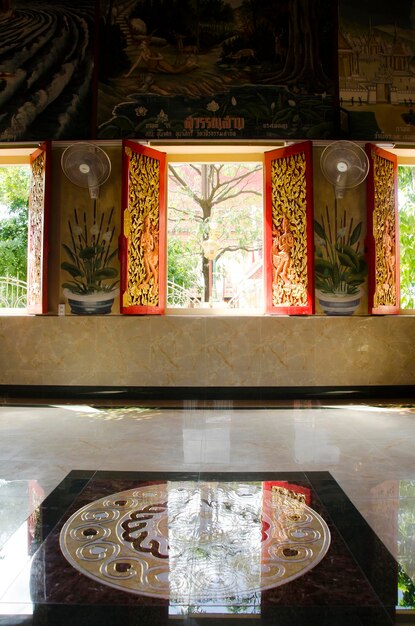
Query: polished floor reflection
{"points": [[355, 463], [196, 541]]}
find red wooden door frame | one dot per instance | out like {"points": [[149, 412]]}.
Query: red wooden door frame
{"points": [[38, 248], [304, 148], [133, 148], [372, 254]]}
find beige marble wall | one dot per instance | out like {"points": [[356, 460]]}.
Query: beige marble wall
{"points": [[207, 351]]}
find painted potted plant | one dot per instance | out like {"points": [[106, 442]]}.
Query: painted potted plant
{"points": [[340, 265], [92, 289]]}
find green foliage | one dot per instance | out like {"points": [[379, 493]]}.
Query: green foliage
{"points": [[13, 247], [14, 187], [182, 264], [406, 556], [340, 268], [406, 588], [14, 197], [406, 186], [90, 255]]}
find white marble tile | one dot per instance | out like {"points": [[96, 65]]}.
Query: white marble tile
{"points": [[367, 448]]}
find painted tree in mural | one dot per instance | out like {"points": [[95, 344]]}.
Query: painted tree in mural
{"points": [[299, 37], [4, 6], [211, 213], [303, 62], [112, 43], [175, 20]]}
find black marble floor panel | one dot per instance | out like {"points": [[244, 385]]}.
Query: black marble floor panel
{"points": [[354, 583]]}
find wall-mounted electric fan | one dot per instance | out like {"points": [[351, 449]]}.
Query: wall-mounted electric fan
{"points": [[86, 165], [345, 165]]}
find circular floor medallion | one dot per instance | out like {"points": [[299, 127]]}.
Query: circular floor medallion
{"points": [[204, 540]]}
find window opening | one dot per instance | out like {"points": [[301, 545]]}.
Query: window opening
{"points": [[215, 235], [406, 204], [14, 203]]}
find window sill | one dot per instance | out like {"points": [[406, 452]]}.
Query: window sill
{"points": [[14, 312], [212, 311]]}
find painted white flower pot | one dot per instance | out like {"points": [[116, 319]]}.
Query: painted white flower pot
{"points": [[339, 303], [98, 303]]}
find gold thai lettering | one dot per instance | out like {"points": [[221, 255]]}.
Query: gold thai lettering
{"points": [[216, 123], [188, 123]]}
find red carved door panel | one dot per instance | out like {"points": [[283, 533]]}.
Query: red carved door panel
{"points": [[37, 253], [289, 242], [143, 230], [382, 232]]}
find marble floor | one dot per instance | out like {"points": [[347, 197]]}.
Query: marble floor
{"points": [[361, 453]]}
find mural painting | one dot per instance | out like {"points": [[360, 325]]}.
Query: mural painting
{"points": [[340, 265], [90, 253], [46, 69], [377, 69], [214, 70], [89, 183]]}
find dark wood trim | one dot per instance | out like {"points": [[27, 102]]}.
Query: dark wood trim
{"points": [[255, 394]]}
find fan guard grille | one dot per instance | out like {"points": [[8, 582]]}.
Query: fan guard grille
{"points": [[86, 165], [344, 164]]}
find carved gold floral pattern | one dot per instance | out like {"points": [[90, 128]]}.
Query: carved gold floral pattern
{"points": [[35, 232], [289, 202], [143, 202], [384, 231]]}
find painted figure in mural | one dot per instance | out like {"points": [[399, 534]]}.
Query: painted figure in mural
{"points": [[155, 62], [282, 245], [149, 246], [389, 248]]}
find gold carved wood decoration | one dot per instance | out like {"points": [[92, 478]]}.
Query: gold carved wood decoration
{"points": [[36, 259], [143, 232], [288, 208], [384, 245]]}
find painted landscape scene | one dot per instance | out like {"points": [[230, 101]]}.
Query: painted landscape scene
{"points": [[217, 69]]}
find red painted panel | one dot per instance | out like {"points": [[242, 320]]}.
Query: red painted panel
{"points": [[294, 179], [382, 253], [137, 195], [37, 257]]}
